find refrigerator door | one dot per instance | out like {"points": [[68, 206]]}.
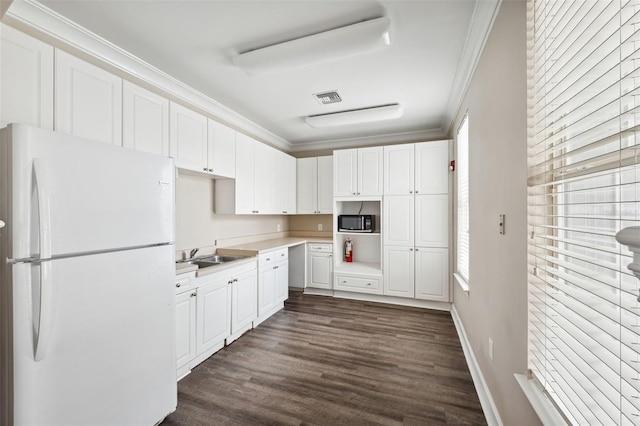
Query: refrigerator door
{"points": [[71, 195], [110, 357]]}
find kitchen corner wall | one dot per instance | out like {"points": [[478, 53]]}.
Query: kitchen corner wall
{"points": [[198, 226], [496, 305]]}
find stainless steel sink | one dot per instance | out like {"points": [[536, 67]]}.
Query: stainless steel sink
{"points": [[220, 258], [202, 263]]}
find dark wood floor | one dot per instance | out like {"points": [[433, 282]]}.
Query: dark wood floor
{"points": [[332, 361]]}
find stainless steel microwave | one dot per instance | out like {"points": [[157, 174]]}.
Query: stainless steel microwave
{"points": [[356, 222]]}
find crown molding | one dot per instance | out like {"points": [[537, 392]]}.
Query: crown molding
{"points": [[482, 20], [392, 138], [56, 27]]}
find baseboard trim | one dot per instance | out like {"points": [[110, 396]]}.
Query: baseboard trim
{"points": [[488, 405]]}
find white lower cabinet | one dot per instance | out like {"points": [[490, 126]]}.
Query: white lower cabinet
{"points": [[211, 311], [360, 284], [185, 330], [432, 274], [399, 271], [244, 303], [273, 282], [320, 266]]}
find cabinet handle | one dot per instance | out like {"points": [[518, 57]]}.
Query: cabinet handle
{"points": [[194, 294], [230, 282], [344, 282], [410, 249], [410, 192], [211, 170], [284, 211], [368, 284], [416, 191], [235, 280], [416, 249], [354, 193], [178, 284], [205, 169]]}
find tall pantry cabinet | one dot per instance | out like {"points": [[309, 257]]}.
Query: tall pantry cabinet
{"points": [[416, 221]]}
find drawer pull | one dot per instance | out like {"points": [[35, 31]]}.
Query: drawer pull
{"points": [[368, 283], [178, 284], [194, 294]]}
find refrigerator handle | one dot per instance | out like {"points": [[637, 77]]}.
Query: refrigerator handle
{"points": [[44, 225]]}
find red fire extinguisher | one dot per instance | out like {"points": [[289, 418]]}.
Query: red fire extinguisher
{"points": [[348, 250]]}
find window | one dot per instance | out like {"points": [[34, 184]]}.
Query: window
{"points": [[462, 165], [584, 187]]}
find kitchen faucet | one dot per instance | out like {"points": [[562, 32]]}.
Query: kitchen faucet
{"points": [[193, 252]]}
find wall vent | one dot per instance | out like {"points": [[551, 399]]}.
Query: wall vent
{"points": [[326, 98]]}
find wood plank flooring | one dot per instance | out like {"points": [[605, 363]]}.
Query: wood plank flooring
{"points": [[330, 361]]}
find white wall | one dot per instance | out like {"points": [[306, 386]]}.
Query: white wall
{"points": [[496, 305], [198, 226]]}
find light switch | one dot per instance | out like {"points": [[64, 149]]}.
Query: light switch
{"points": [[502, 217]]}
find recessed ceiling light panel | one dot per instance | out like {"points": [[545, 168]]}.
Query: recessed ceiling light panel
{"points": [[356, 116], [351, 40]]}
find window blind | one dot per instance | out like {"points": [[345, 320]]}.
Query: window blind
{"points": [[462, 153], [584, 186]]}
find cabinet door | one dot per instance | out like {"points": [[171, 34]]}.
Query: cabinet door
{"points": [[325, 184], [432, 220], [398, 272], [213, 319], [267, 290], [244, 300], [188, 138], [245, 174], [307, 180], [221, 152], [320, 271], [284, 184], [432, 274], [432, 167], [264, 183], [398, 219], [291, 186], [26, 80], [370, 167], [88, 100], [145, 120], [398, 169], [282, 281], [345, 173], [185, 328]]}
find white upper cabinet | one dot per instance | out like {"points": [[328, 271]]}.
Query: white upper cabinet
{"points": [[26, 80], [188, 138], [432, 220], [370, 171], [265, 176], [145, 120], [398, 217], [285, 184], [221, 149], [88, 100], [315, 185], [432, 167], [307, 177], [358, 172], [399, 169], [245, 175], [325, 184]]}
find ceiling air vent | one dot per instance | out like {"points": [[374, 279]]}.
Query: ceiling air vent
{"points": [[326, 98]]}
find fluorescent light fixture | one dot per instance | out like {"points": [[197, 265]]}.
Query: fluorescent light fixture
{"points": [[355, 39], [355, 116]]}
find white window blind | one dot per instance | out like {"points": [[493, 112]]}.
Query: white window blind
{"points": [[462, 165], [584, 186]]}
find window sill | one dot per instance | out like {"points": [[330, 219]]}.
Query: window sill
{"points": [[462, 282], [544, 408]]}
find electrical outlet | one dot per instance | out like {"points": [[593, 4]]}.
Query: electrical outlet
{"points": [[278, 228], [490, 349], [319, 227]]}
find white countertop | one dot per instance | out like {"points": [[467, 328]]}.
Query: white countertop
{"points": [[251, 249]]}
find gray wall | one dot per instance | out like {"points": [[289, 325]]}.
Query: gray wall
{"points": [[496, 305]]}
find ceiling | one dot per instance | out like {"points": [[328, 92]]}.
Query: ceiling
{"points": [[195, 41]]}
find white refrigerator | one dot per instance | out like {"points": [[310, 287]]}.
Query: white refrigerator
{"points": [[87, 334]]}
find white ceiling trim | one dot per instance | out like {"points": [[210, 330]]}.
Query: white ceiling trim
{"points": [[393, 138], [482, 20], [61, 29]]}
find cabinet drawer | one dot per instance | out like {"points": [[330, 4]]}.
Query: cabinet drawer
{"points": [[184, 283], [266, 259], [347, 283], [320, 248], [281, 254]]}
